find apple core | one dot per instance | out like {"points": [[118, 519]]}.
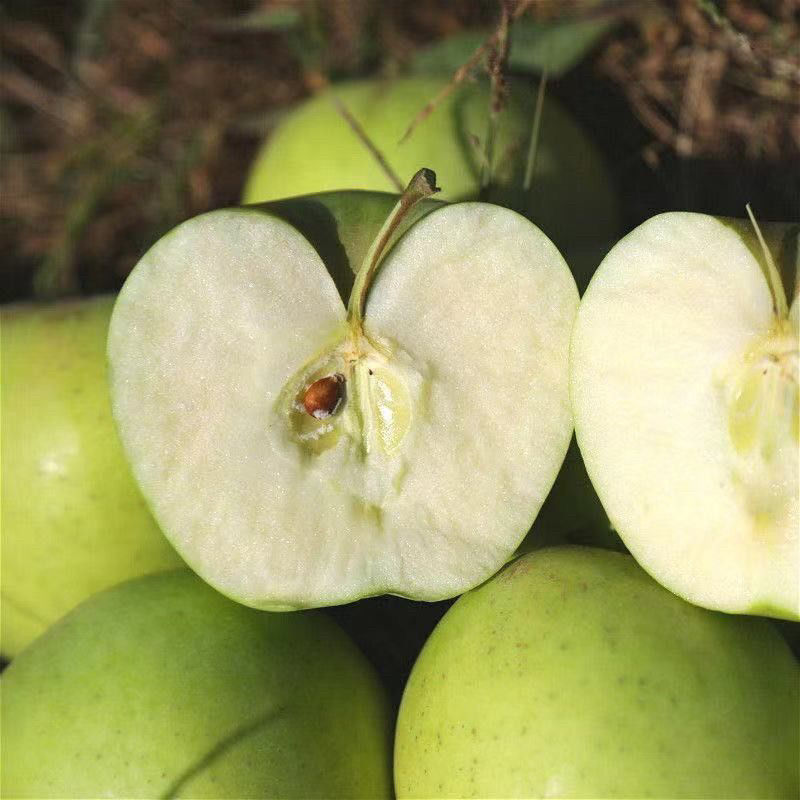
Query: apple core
{"points": [[358, 388]]}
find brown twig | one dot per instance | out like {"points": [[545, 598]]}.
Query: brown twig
{"points": [[496, 63], [363, 137], [465, 70], [20, 87]]}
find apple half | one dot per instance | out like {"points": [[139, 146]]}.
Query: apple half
{"points": [[684, 381], [299, 452]]}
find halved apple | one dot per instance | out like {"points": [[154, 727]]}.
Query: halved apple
{"points": [[685, 394], [298, 452]]}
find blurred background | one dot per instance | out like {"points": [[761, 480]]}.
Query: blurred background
{"points": [[121, 118]]}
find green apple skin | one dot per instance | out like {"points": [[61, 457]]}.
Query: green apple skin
{"points": [[341, 226], [73, 520], [314, 149], [573, 674], [161, 687], [572, 512]]}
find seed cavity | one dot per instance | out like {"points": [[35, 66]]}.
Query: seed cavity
{"points": [[760, 392], [324, 396]]}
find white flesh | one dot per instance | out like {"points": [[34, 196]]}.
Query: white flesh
{"points": [[660, 337], [467, 324]]}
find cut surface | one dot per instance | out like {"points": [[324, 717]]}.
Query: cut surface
{"points": [[420, 479], [684, 385]]}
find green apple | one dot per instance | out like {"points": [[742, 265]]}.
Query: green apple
{"points": [[572, 512], [314, 149], [573, 674], [685, 393], [299, 452], [161, 687], [73, 520]]}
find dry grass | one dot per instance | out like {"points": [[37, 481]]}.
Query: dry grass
{"points": [[121, 119]]}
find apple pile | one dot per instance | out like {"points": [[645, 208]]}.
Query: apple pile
{"points": [[354, 393], [73, 520]]}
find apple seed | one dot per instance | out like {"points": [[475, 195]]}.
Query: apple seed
{"points": [[322, 398]]}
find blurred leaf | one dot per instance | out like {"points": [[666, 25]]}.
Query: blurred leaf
{"points": [[261, 20], [448, 54], [557, 46]]}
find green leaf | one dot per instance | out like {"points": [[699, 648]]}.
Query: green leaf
{"points": [[260, 20], [447, 55], [557, 46]]}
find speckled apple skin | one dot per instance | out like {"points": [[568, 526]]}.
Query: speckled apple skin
{"points": [[573, 674], [161, 687]]}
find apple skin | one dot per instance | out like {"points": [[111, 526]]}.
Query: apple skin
{"points": [[73, 520], [341, 226], [313, 149], [572, 512], [573, 674], [161, 687]]}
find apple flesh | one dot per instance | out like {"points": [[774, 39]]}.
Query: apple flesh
{"points": [[161, 687], [73, 520], [314, 149], [454, 414], [573, 674], [685, 393]]}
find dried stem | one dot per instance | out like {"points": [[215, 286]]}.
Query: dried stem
{"points": [[533, 149], [359, 131], [497, 59], [465, 70]]}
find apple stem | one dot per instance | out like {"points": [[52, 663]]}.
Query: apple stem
{"points": [[779, 304], [422, 185]]}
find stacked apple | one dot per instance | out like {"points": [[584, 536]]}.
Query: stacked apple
{"points": [[161, 687], [73, 520], [573, 674]]}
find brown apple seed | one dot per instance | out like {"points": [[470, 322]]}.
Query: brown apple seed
{"points": [[322, 398]]}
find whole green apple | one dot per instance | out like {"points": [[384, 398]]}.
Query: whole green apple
{"points": [[161, 687], [73, 521], [314, 149], [573, 674], [572, 512]]}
